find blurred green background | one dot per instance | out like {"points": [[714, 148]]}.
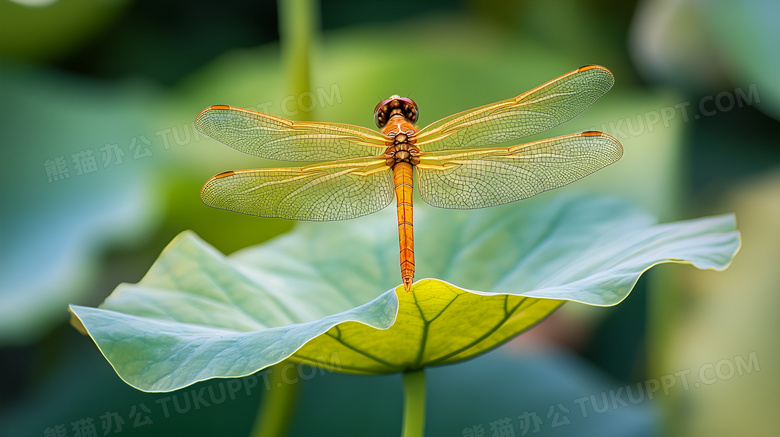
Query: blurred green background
{"points": [[103, 168]]}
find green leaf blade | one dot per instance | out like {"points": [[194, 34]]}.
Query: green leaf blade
{"points": [[314, 295]]}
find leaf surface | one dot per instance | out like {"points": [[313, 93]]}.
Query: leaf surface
{"points": [[315, 294]]}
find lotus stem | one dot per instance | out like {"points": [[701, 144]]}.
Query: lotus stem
{"points": [[414, 403]]}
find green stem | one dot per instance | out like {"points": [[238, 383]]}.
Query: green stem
{"points": [[663, 323], [276, 407], [414, 403], [297, 27]]}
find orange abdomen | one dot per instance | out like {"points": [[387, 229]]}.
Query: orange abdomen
{"points": [[402, 175]]}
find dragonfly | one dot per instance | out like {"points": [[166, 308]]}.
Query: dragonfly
{"points": [[459, 161]]}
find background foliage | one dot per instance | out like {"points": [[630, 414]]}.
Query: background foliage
{"points": [[81, 76]]}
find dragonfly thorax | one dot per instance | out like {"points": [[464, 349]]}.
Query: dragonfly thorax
{"points": [[403, 152], [400, 138]]}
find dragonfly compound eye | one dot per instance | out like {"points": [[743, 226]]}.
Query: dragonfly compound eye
{"points": [[410, 109], [385, 108]]}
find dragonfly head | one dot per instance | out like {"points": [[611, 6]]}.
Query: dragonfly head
{"points": [[403, 106]]}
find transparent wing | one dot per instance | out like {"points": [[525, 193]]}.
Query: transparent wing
{"points": [[272, 137], [479, 178], [333, 191], [535, 111]]}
